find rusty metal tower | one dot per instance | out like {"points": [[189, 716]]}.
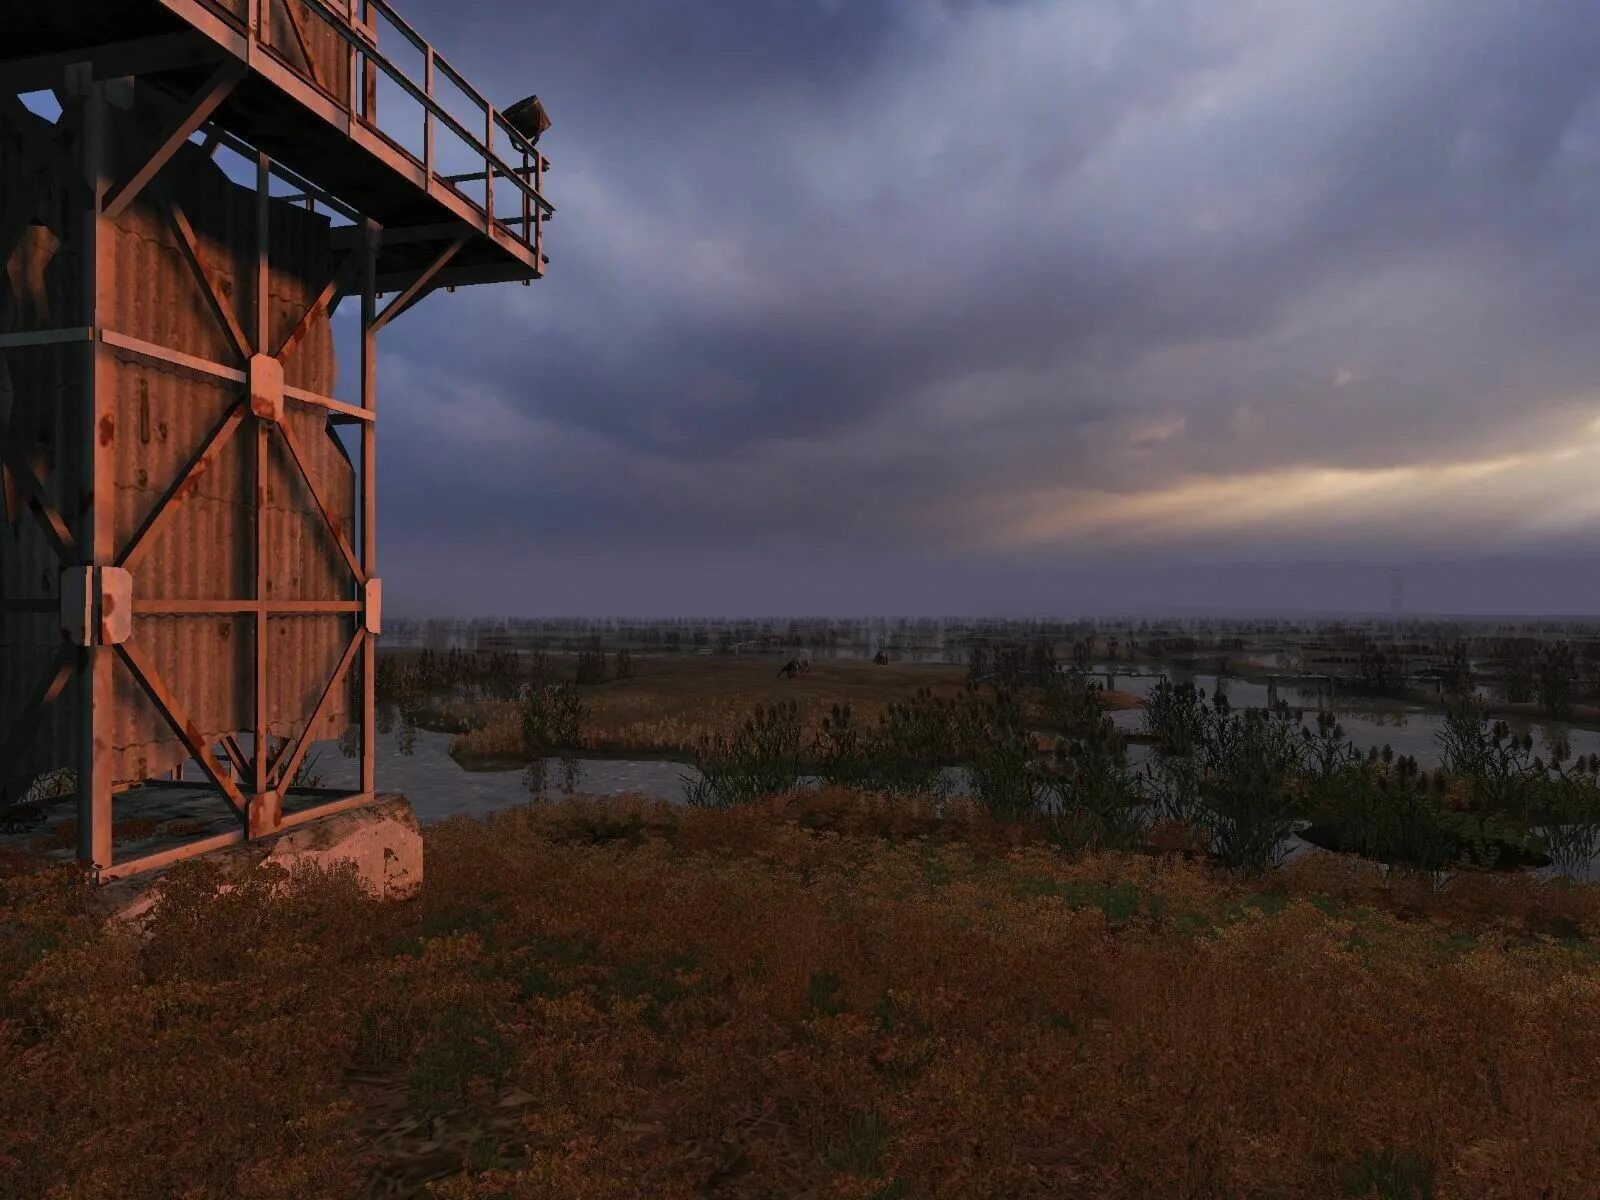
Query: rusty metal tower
{"points": [[188, 569]]}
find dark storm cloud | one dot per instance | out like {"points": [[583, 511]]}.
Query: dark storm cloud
{"points": [[857, 274]]}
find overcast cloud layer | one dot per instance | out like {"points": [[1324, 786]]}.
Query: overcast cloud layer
{"points": [[1019, 307]]}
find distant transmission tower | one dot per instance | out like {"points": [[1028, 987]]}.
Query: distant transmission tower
{"points": [[1397, 592]]}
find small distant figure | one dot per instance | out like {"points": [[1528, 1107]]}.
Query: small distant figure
{"points": [[881, 658], [798, 665]]}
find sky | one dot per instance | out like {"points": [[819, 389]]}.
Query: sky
{"points": [[1019, 308]]}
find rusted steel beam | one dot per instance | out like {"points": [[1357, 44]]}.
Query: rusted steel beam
{"points": [[373, 239], [220, 607], [540, 163], [427, 114], [195, 114], [415, 290], [148, 678], [442, 231], [277, 757], [39, 502], [400, 308], [327, 402], [184, 486], [341, 275], [236, 756], [177, 358], [285, 774], [355, 800], [50, 688], [244, 149], [263, 315], [88, 104], [260, 568], [111, 60], [220, 308], [163, 858], [463, 276], [45, 337], [488, 163], [291, 440]]}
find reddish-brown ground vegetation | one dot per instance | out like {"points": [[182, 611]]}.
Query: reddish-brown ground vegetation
{"points": [[826, 997]]}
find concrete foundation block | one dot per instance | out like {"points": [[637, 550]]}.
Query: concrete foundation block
{"points": [[383, 839]]}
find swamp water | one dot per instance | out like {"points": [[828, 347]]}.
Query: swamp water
{"points": [[438, 787]]}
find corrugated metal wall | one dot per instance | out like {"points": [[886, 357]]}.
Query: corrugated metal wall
{"points": [[163, 414]]}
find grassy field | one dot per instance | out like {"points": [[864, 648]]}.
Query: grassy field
{"points": [[827, 996], [672, 699]]}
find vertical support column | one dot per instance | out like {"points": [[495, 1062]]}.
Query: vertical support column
{"points": [[353, 88], [538, 213], [252, 27], [372, 235], [264, 805], [369, 72], [488, 166], [427, 115], [96, 435]]}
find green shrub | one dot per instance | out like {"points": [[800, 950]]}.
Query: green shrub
{"points": [[762, 759], [1095, 801], [998, 752]]}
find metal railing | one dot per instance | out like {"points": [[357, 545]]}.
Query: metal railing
{"points": [[355, 23]]}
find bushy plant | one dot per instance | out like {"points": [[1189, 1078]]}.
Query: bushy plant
{"points": [[1073, 703], [1380, 672], [1457, 676], [1042, 662], [1570, 813], [843, 750], [1328, 751], [761, 759], [1093, 799], [1519, 670], [552, 719], [1175, 715], [1393, 815], [978, 667], [1249, 766], [1555, 681], [1498, 766], [591, 667], [998, 753], [913, 742]]}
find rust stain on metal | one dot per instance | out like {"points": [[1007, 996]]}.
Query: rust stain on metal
{"points": [[108, 429]]}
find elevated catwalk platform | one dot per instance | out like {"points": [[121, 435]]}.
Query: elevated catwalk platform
{"points": [[278, 75]]}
